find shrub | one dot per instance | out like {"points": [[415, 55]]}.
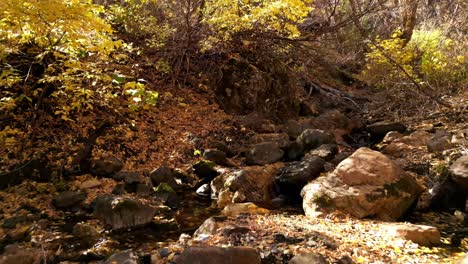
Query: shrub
{"points": [[430, 58]]}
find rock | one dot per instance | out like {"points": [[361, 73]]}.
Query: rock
{"points": [[167, 195], [11, 222], [163, 174], [19, 234], [134, 178], [106, 167], [460, 137], [205, 169], [264, 153], [15, 254], [225, 197], [380, 129], [439, 143], [307, 108], [294, 151], [308, 258], [250, 184], [222, 146], [86, 233], [119, 189], [216, 255], [459, 172], [122, 212], [463, 260], [68, 199], [337, 123], [233, 229], [345, 260], [233, 210], [402, 146], [281, 139], [124, 257], [317, 239], [89, 184], [391, 136], [216, 156], [325, 151], [144, 190], [294, 128], [122, 175], [367, 184], [447, 195], [204, 190], [419, 234], [293, 177], [206, 230], [314, 138]]}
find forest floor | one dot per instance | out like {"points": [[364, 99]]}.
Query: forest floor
{"points": [[183, 122]]}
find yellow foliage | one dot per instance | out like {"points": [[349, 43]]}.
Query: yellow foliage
{"points": [[281, 16], [68, 26], [429, 58]]}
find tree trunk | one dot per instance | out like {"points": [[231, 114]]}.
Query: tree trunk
{"points": [[409, 20]]}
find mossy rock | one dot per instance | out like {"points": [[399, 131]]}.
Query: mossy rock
{"points": [[205, 169], [164, 188], [323, 201]]}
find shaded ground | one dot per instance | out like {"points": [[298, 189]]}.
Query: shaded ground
{"points": [[183, 122]]}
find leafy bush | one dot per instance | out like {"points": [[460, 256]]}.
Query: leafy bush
{"points": [[430, 58], [56, 79], [280, 16]]}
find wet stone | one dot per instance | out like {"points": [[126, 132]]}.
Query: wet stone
{"points": [[122, 212]]}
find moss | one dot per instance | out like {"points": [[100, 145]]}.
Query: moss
{"points": [[440, 169], [322, 200], [374, 197], [395, 189], [164, 188], [205, 169], [405, 184]]}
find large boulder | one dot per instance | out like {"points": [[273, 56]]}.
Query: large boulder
{"points": [[122, 212], [367, 184], [294, 176], [215, 255], [250, 184], [264, 153], [459, 172]]}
